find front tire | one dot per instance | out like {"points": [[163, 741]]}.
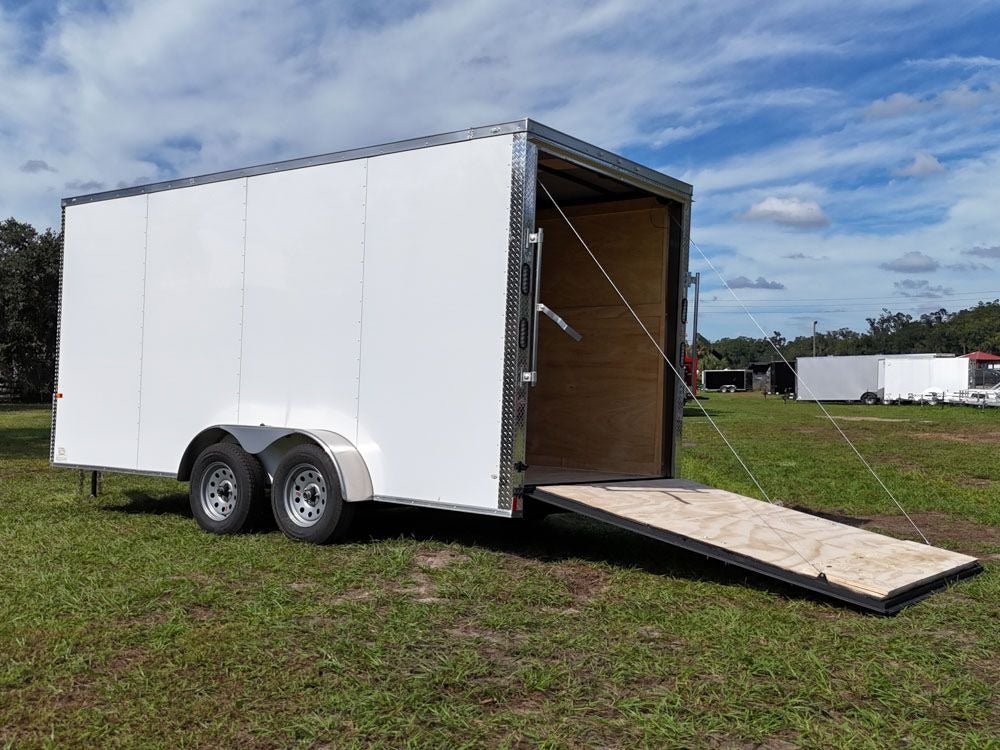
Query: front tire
{"points": [[307, 499], [227, 488], [869, 399]]}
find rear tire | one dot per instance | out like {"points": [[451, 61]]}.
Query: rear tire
{"points": [[307, 499], [227, 489], [869, 399]]}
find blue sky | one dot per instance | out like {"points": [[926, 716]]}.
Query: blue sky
{"points": [[844, 157]]}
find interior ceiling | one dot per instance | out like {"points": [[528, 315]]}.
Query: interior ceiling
{"points": [[572, 184]]}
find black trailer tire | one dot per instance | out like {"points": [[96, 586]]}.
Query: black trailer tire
{"points": [[307, 499], [227, 489], [869, 398]]}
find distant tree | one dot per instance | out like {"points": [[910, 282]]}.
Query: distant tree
{"points": [[888, 333], [29, 290]]}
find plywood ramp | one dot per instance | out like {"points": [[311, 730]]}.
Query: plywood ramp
{"points": [[868, 569]]}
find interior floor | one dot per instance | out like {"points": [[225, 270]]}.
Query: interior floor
{"points": [[541, 475]]}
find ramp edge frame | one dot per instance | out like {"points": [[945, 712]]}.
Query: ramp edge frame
{"points": [[888, 606]]}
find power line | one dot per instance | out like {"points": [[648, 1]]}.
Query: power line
{"points": [[878, 297]]}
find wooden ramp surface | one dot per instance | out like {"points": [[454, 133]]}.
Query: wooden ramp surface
{"points": [[873, 570]]}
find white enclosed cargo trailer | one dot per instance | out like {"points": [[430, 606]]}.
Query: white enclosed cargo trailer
{"points": [[845, 378], [926, 379], [378, 303], [371, 325]]}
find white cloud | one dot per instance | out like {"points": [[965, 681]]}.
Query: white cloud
{"points": [[923, 165], [975, 61], [742, 282], [968, 267], [921, 288], [984, 252], [125, 92], [896, 105], [790, 212], [804, 256], [911, 262], [32, 166]]}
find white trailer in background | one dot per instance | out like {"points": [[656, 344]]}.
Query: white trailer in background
{"points": [[845, 378], [365, 327], [924, 379]]}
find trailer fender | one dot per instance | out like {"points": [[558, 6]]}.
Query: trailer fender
{"points": [[269, 444]]}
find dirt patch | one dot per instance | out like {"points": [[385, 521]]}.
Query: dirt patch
{"points": [[301, 585], [904, 463], [959, 437], [475, 632], [438, 558], [200, 612], [584, 582], [976, 482], [80, 693], [972, 538], [421, 588], [970, 535], [127, 659], [863, 419], [350, 595]]}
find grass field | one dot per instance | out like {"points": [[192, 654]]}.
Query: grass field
{"points": [[123, 625]]}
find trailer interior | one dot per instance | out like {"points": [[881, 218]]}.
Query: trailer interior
{"points": [[600, 436], [603, 407]]}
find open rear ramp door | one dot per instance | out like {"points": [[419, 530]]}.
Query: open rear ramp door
{"points": [[870, 570]]}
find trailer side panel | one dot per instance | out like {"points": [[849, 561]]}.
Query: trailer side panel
{"points": [[302, 309], [192, 316], [100, 337], [433, 332]]}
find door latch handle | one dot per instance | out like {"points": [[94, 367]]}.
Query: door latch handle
{"points": [[555, 318]]}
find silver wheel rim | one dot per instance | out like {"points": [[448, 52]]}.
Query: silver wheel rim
{"points": [[219, 491], [305, 495]]}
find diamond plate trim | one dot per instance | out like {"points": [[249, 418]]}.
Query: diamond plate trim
{"points": [[524, 158], [59, 297]]}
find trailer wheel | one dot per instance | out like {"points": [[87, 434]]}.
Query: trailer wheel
{"points": [[227, 488], [869, 398], [306, 497]]}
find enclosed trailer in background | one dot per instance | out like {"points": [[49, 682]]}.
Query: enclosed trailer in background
{"points": [[924, 379], [845, 378], [727, 380], [418, 323], [776, 377]]}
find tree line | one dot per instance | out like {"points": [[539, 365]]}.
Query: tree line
{"points": [[976, 328], [29, 294]]}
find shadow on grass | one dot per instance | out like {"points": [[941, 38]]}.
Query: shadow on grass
{"points": [[24, 442], [833, 516], [695, 412], [558, 537], [142, 503], [566, 536]]}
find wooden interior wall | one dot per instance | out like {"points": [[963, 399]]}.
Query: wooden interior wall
{"points": [[598, 403]]}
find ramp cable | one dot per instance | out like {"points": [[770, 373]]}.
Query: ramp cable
{"points": [[808, 389], [680, 378]]}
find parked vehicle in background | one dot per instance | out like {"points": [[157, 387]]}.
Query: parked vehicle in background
{"points": [[727, 381], [846, 378]]}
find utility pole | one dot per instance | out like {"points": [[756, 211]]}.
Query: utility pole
{"points": [[814, 337]]}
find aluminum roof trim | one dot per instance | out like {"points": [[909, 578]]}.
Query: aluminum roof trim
{"points": [[558, 143]]}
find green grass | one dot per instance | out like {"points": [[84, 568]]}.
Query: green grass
{"points": [[123, 625]]}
